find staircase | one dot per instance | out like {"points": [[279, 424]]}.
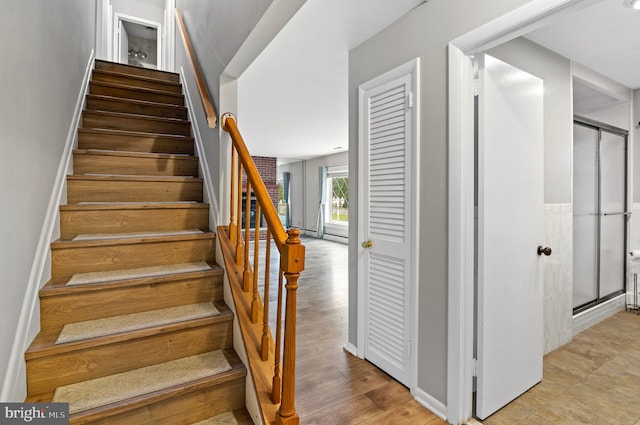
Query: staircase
{"points": [[134, 329]]}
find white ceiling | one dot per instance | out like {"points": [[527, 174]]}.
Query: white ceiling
{"points": [[605, 37], [293, 100]]}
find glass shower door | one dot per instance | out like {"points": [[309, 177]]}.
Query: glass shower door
{"points": [[599, 213], [613, 158], [585, 215]]}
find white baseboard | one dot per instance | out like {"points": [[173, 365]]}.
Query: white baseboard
{"points": [[588, 318], [351, 349], [206, 175], [427, 401], [14, 386]]}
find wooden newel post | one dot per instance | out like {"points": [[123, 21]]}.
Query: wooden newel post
{"points": [[293, 264]]}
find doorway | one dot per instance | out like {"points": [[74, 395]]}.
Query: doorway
{"points": [[136, 42], [600, 215]]}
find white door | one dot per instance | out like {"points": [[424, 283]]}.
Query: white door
{"points": [[510, 229], [387, 225]]}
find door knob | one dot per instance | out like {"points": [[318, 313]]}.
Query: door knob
{"points": [[367, 244], [544, 250]]}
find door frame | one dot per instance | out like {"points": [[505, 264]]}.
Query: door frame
{"points": [[120, 17], [461, 181], [413, 69]]}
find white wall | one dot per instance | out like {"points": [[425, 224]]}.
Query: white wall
{"points": [[152, 10], [305, 187], [617, 115], [635, 133], [45, 50], [555, 70], [424, 32], [217, 30]]}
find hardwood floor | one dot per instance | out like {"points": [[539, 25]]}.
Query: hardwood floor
{"points": [[595, 379], [332, 386]]}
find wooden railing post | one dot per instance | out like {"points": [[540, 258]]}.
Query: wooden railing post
{"points": [[293, 263], [247, 276], [234, 193]]}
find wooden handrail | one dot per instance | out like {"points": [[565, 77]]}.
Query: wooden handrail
{"points": [[264, 354], [205, 98]]}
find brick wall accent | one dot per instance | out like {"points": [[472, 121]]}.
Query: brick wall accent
{"points": [[268, 169]]}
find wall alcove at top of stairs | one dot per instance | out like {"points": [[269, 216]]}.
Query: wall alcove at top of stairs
{"points": [[134, 328]]}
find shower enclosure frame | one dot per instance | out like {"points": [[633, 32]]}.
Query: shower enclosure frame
{"points": [[600, 127]]}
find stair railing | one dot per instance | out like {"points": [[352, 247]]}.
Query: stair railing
{"points": [[205, 98], [263, 352]]}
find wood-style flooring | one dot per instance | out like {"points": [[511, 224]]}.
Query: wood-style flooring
{"points": [[334, 387], [595, 379]]}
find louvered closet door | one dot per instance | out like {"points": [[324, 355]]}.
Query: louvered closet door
{"points": [[387, 190]]}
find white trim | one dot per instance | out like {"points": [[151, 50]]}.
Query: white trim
{"points": [[28, 325], [438, 408], [461, 184], [168, 35], [411, 68], [461, 238], [214, 210], [351, 349], [103, 16], [117, 17], [590, 317]]}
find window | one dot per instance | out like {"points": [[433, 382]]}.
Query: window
{"points": [[337, 205]]}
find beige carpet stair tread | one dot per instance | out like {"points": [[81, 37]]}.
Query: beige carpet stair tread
{"points": [[104, 236], [226, 418], [111, 276], [129, 322], [122, 386]]}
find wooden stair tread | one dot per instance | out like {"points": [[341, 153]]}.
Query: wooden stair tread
{"points": [[45, 342], [137, 102], [135, 70], [127, 154], [140, 117], [136, 77], [106, 102], [119, 177], [58, 286], [238, 371], [136, 88], [62, 244], [133, 206], [134, 134]]}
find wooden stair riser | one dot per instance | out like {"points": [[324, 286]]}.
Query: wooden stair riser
{"points": [[135, 81], [152, 143], [49, 372], [135, 70], [137, 123], [126, 106], [88, 163], [75, 222], [187, 407], [92, 190], [85, 259], [56, 311], [105, 89]]}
